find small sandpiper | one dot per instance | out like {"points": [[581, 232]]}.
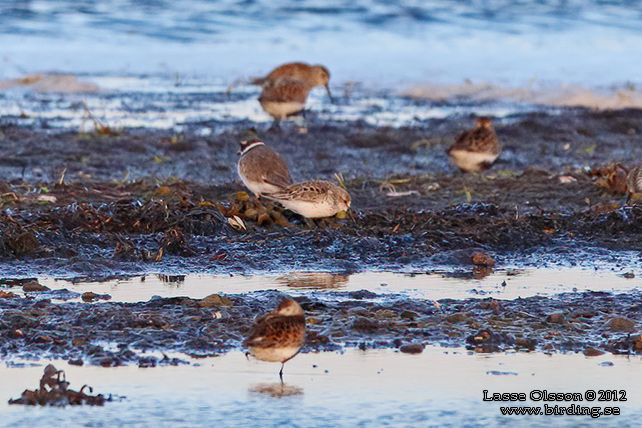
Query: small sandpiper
{"points": [[476, 149], [286, 89], [279, 335], [634, 182], [283, 98], [313, 75], [313, 199], [261, 169]]}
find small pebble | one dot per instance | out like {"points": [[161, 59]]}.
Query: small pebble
{"points": [[498, 373], [556, 318], [414, 348], [34, 287], [592, 352], [620, 324]]}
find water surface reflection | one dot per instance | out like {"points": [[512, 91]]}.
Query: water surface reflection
{"points": [[500, 284]]}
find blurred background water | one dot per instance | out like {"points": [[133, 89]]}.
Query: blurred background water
{"points": [[593, 43]]}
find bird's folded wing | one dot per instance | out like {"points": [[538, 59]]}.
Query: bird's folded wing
{"points": [[278, 180]]}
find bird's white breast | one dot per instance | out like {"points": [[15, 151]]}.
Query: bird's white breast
{"points": [[471, 161], [274, 355]]}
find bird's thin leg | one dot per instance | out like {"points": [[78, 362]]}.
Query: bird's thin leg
{"points": [[302, 122], [276, 126], [281, 372]]}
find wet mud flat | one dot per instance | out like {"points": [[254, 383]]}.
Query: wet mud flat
{"points": [[118, 203], [145, 333], [103, 230], [132, 201]]}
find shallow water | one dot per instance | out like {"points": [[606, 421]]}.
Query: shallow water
{"points": [[500, 284], [440, 387], [512, 42]]}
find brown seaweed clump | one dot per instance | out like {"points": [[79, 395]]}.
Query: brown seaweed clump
{"points": [[612, 178], [246, 208], [54, 391]]}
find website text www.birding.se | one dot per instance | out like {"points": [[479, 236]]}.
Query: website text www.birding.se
{"points": [[565, 404]]}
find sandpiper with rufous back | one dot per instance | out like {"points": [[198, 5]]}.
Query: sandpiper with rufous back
{"points": [[476, 149]]}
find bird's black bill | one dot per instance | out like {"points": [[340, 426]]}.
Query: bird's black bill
{"points": [[327, 88]]}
